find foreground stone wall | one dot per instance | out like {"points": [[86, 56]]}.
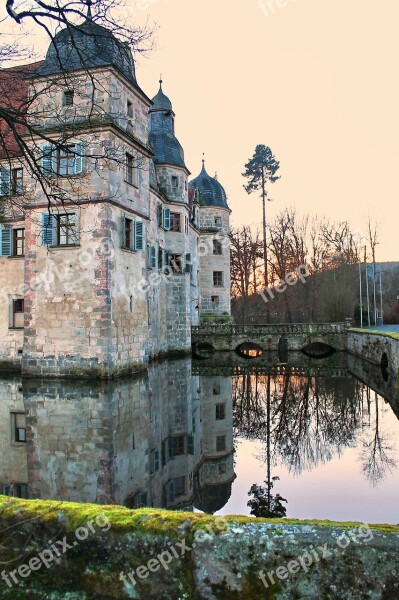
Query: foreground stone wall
{"points": [[109, 552]]}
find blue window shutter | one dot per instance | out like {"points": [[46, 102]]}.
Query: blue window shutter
{"points": [[79, 158], [48, 229], [5, 241], [166, 219], [139, 236], [5, 182], [47, 160]]}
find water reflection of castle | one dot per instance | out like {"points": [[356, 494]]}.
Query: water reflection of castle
{"points": [[164, 441]]}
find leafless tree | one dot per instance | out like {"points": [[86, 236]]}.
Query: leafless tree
{"points": [[30, 122]]}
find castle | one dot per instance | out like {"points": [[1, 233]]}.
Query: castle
{"points": [[114, 254]]}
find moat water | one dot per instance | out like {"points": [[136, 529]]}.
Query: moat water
{"points": [[196, 435]]}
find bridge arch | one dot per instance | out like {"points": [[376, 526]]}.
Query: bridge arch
{"points": [[318, 349], [249, 350]]}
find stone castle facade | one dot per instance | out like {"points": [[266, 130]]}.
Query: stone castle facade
{"points": [[129, 254]]}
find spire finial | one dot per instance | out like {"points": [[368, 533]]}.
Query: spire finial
{"points": [[89, 3], [160, 81], [203, 160]]}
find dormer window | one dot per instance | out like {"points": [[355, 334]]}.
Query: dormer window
{"points": [[68, 98]]}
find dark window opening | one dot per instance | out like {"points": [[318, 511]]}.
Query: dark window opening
{"points": [[128, 233], [178, 445], [130, 169], [218, 278], [16, 181], [68, 98], [19, 425], [175, 222], [176, 263], [180, 486], [220, 443], [220, 412], [18, 314], [217, 247]]}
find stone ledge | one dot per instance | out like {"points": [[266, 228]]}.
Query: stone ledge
{"points": [[221, 565]]}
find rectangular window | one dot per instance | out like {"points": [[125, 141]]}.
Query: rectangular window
{"points": [[218, 221], [18, 422], [153, 257], [66, 161], [154, 461], [68, 98], [217, 247], [178, 445], [220, 412], [19, 242], [16, 181], [215, 300], [128, 234], [218, 278], [175, 221], [175, 182], [176, 263], [180, 486], [220, 443], [216, 390], [129, 108], [17, 314], [66, 230], [130, 169]]}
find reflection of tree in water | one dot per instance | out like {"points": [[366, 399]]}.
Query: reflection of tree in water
{"points": [[305, 421], [264, 503], [376, 456]]}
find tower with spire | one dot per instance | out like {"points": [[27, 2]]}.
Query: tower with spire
{"points": [[214, 229]]}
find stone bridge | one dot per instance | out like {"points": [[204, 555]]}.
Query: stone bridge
{"points": [[288, 337]]}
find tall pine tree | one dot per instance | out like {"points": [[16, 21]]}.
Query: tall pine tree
{"points": [[259, 171]]}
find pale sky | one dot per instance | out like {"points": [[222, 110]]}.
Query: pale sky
{"points": [[316, 80]]}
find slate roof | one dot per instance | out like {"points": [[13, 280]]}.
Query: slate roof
{"points": [[167, 148], [211, 192], [160, 101], [165, 145], [87, 45]]}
